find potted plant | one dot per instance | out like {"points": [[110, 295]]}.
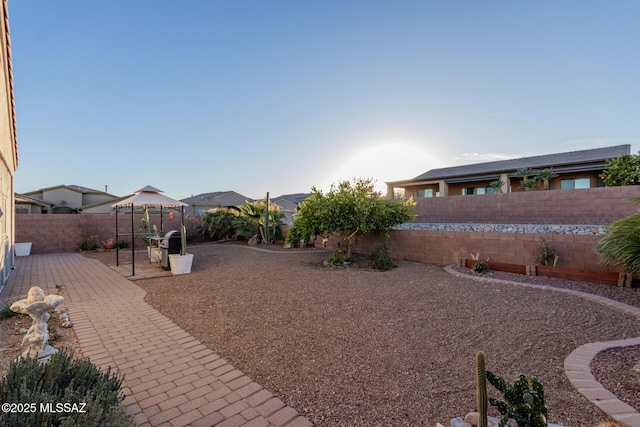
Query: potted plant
{"points": [[181, 264], [147, 232], [108, 245]]}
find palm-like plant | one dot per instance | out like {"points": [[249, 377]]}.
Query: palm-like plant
{"points": [[251, 220], [529, 184], [620, 244], [525, 173], [498, 184], [545, 176]]}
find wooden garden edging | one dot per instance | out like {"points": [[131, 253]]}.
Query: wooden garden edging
{"points": [[594, 276]]}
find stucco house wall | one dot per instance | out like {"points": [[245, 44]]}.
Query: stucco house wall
{"points": [[8, 149], [56, 196]]}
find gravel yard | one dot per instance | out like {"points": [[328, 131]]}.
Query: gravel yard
{"points": [[349, 346]]}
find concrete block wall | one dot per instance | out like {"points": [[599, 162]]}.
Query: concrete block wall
{"points": [[592, 206], [64, 233]]}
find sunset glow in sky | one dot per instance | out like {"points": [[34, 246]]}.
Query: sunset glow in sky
{"points": [[279, 96]]}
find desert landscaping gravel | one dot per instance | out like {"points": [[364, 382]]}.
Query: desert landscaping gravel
{"points": [[351, 346]]}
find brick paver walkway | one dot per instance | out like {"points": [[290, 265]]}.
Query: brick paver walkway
{"points": [[171, 379]]}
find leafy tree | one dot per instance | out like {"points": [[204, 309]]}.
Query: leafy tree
{"points": [[348, 209], [624, 170], [620, 244]]}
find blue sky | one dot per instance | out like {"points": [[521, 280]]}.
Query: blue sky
{"points": [[255, 96]]}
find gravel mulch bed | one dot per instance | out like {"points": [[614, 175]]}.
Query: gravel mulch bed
{"points": [[618, 370], [350, 346], [629, 296]]}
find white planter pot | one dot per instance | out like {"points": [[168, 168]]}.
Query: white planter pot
{"points": [[181, 264], [22, 249], [154, 253]]}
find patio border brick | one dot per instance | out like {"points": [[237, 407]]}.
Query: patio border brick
{"points": [[170, 378]]}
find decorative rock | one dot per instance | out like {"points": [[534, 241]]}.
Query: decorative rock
{"points": [[23, 331], [459, 422], [473, 418], [253, 241], [575, 229], [36, 342], [64, 316]]}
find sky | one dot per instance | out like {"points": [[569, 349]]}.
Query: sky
{"points": [[280, 96]]}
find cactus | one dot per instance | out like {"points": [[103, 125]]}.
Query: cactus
{"points": [[481, 374], [522, 403], [183, 240]]}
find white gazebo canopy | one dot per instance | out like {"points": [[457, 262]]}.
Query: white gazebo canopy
{"points": [[147, 196]]}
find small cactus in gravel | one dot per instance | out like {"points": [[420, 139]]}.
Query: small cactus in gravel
{"points": [[481, 374]]}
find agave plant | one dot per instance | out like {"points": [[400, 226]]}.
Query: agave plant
{"points": [[545, 176]]}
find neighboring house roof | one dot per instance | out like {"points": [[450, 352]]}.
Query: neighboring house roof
{"points": [[77, 188], [106, 202], [217, 198], [285, 205], [293, 198], [22, 199], [561, 162]]}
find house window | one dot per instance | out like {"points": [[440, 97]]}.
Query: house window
{"points": [[466, 191], [574, 184], [398, 193], [425, 193], [491, 190]]}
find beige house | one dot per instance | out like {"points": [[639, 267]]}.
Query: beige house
{"points": [[289, 205], [29, 205], [8, 149], [69, 199], [574, 169]]}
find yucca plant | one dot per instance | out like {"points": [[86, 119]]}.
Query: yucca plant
{"points": [[620, 244]]}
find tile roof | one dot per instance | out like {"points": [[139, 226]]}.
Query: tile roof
{"points": [[215, 198], [535, 162]]}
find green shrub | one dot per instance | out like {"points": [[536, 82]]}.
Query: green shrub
{"points": [[88, 245], [480, 267], [546, 254], [63, 380], [380, 259], [337, 257], [6, 312], [122, 244], [218, 224]]}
